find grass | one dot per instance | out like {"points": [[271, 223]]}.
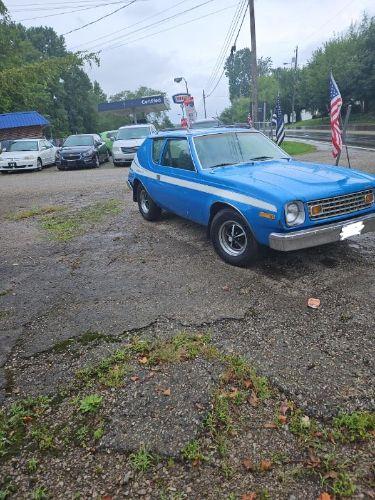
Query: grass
{"points": [[294, 148], [142, 460], [192, 452], [90, 403], [34, 212], [343, 486], [357, 426], [86, 338], [64, 227]]}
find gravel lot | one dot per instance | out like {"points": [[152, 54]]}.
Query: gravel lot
{"points": [[67, 304]]}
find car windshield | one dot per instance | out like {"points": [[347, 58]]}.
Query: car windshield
{"points": [[218, 150], [133, 133], [79, 140], [23, 146]]}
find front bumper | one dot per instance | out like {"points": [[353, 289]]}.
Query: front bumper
{"points": [[19, 165], [123, 157], [77, 163], [322, 235]]}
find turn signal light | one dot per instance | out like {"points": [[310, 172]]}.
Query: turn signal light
{"points": [[316, 210], [369, 198]]}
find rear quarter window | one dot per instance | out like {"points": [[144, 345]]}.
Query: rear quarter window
{"points": [[157, 146]]}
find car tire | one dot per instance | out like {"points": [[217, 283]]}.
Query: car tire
{"points": [[4, 172], [232, 238], [39, 165], [60, 167], [147, 207]]}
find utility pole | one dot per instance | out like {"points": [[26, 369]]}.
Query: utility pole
{"points": [[204, 103], [294, 82], [253, 68]]}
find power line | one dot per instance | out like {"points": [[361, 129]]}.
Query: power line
{"points": [[167, 29], [242, 9], [150, 25], [67, 12], [74, 5], [126, 27], [100, 18], [224, 48]]}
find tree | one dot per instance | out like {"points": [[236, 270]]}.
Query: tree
{"points": [[237, 69]]}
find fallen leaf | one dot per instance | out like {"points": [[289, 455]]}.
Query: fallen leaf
{"points": [[107, 497], [325, 496], [282, 419], [253, 399], [248, 383], [314, 460], [167, 392], [313, 303], [284, 407], [27, 419], [249, 496], [270, 425], [233, 392], [225, 288], [199, 406], [331, 475], [248, 464], [143, 360], [265, 465], [134, 378]]}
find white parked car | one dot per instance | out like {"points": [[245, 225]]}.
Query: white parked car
{"points": [[128, 140], [27, 154]]}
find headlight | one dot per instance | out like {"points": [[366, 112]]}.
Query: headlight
{"points": [[88, 153], [116, 150], [294, 213]]}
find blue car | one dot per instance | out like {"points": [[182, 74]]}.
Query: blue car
{"points": [[249, 192]]}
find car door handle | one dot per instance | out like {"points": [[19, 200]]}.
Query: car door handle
{"points": [[158, 177]]}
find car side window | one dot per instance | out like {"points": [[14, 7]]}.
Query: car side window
{"points": [[177, 155], [157, 146]]}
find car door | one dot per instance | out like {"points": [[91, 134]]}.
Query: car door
{"points": [[178, 179], [51, 152], [44, 152], [102, 148]]}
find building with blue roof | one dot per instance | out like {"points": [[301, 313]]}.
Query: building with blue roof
{"points": [[22, 124]]}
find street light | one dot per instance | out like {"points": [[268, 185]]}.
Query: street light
{"points": [[179, 79]]}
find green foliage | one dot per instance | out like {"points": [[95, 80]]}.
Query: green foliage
{"points": [[192, 452], [343, 485], [32, 465], [354, 426], [90, 403], [142, 460], [40, 493]]}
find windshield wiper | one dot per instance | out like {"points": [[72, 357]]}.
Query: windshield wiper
{"points": [[261, 158], [222, 165]]}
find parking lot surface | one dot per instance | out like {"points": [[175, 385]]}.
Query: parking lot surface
{"points": [[70, 299]]}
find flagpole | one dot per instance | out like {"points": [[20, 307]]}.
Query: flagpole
{"points": [[348, 110]]}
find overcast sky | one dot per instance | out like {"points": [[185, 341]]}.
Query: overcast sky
{"points": [[191, 50]]}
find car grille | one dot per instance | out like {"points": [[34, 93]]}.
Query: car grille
{"points": [[129, 150], [341, 205], [72, 157]]}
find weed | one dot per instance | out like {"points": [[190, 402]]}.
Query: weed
{"points": [[192, 452], [90, 404], [32, 465], [82, 434], [98, 433], [141, 460], [240, 370], [40, 493], [67, 226], [43, 437], [114, 377], [343, 485], [33, 212], [181, 348], [301, 425], [227, 470], [354, 426], [4, 292]]}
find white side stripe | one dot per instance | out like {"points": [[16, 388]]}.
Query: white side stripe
{"points": [[204, 188]]}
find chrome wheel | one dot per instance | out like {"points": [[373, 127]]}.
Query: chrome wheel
{"points": [[232, 238], [145, 202]]}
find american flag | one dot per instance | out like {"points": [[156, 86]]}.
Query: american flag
{"points": [[278, 121], [336, 103]]}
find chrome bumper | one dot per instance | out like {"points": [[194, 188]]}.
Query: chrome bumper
{"points": [[328, 233]]}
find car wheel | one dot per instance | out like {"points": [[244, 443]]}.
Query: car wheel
{"points": [[148, 208], [233, 239], [96, 162], [60, 167], [4, 172], [39, 164]]}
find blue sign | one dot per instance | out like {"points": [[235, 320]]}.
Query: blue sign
{"points": [[155, 100]]}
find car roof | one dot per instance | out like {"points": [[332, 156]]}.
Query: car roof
{"points": [[138, 125], [202, 131]]}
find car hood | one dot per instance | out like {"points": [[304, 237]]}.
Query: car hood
{"points": [[76, 149], [291, 180], [128, 143], [6, 155]]}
